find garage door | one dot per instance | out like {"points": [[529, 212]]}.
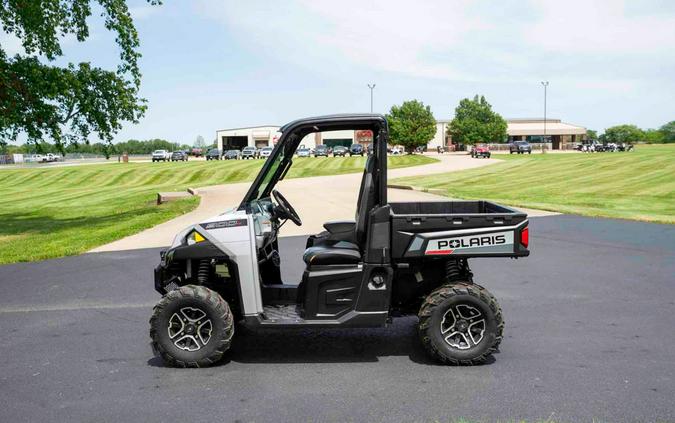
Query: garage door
{"points": [[234, 143], [334, 142]]}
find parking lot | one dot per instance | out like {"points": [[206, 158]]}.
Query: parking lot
{"points": [[588, 322]]}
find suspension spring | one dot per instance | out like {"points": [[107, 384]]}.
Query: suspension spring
{"points": [[458, 270], [204, 271]]}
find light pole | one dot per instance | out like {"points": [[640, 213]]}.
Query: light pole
{"points": [[372, 87], [545, 84]]}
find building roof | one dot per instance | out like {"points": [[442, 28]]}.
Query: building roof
{"points": [[536, 127]]}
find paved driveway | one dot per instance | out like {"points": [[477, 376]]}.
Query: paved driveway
{"points": [[589, 335]]}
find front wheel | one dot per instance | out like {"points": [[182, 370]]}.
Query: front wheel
{"points": [[460, 324], [191, 326]]}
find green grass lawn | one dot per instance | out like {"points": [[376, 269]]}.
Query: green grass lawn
{"points": [[636, 185], [52, 212]]}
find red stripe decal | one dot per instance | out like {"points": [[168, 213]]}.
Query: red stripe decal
{"points": [[439, 252]]}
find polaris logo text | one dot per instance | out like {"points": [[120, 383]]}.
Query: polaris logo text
{"points": [[485, 242]]}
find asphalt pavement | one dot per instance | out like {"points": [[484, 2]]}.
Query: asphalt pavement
{"points": [[590, 317]]}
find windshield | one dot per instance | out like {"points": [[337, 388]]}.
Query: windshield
{"points": [[271, 172]]}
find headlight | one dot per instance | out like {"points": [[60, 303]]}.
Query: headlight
{"points": [[194, 237]]}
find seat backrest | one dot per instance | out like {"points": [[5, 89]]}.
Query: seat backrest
{"points": [[366, 201]]}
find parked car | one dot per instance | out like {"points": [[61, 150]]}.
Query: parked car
{"points": [[480, 150], [356, 149], [231, 155], [321, 150], [249, 153], [265, 152], [213, 154], [49, 157], [197, 152], [179, 156], [520, 147], [340, 150], [611, 147], [397, 151], [161, 156], [625, 147], [303, 152]]}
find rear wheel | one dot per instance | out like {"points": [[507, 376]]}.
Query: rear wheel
{"points": [[460, 324], [191, 326]]}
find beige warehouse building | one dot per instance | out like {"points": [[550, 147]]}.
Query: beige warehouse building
{"points": [[561, 135]]}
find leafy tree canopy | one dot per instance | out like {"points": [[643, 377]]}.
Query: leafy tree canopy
{"points": [[475, 122], [66, 104], [623, 133], [591, 134], [653, 136], [411, 124], [668, 131]]}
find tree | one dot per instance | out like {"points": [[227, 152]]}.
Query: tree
{"points": [[68, 103], [411, 125], [668, 131], [199, 142], [653, 136], [623, 133], [475, 122], [591, 134]]}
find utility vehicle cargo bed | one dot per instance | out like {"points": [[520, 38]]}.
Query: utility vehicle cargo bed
{"points": [[458, 228]]}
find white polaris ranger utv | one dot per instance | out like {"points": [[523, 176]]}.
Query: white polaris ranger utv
{"points": [[394, 259]]}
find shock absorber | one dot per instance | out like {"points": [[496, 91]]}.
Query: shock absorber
{"points": [[204, 271], [458, 270]]}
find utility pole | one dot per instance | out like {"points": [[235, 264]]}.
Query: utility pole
{"points": [[545, 84], [372, 87]]}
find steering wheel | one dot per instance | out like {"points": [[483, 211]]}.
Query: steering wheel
{"points": [[284, 208]]}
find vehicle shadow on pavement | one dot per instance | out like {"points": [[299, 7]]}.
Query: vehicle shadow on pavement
{"points": [[326, 345]]}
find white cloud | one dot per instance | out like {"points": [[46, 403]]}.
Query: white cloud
{"points": [[600, 27], [452, 40], [143, 11]]}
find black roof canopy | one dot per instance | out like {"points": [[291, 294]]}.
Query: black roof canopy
{"points": [[336, 122]]}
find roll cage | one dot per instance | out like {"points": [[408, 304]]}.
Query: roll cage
{"points": [[281, 158]]}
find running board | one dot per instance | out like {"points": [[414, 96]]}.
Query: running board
{"points": [[289, 317]]}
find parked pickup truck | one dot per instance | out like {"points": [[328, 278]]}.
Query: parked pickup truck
{"points": [[161, 156], [394, 259]]}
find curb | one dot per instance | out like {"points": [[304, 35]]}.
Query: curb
{"points": [[163, 197]]}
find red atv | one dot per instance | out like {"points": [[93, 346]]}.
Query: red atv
{"points": [[480, 151]]}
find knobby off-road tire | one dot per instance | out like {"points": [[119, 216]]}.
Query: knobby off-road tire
{"points": [[191, 326], [436, 324]]}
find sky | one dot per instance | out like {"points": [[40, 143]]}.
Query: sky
{"points": [[210, 65]]}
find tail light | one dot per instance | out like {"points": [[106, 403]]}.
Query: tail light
{"points": [[525, 237]]}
